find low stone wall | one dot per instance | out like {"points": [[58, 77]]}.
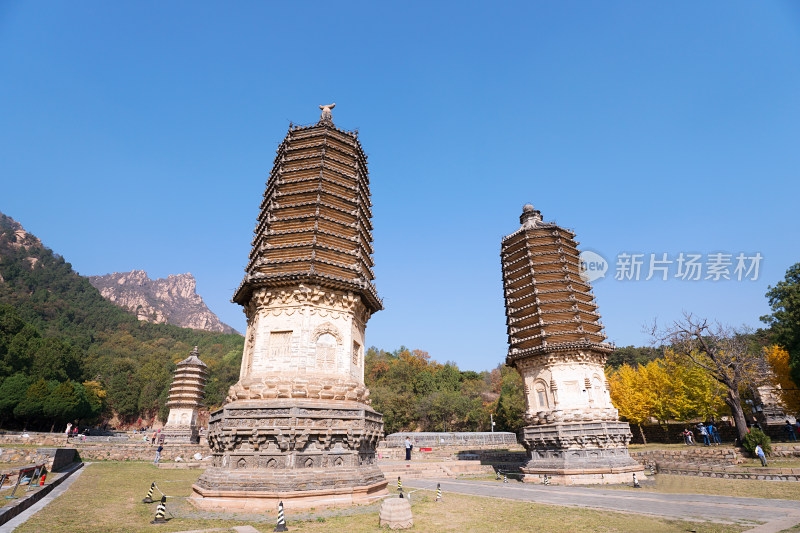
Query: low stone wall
{"points": [[472, 438], [33, 439], [111, 452], [457, 453], [719, 456], [139, 452], [58, 459], [765, 474], [785, 451], [18, 456]]}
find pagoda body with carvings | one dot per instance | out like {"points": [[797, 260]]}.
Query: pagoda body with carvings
{"points": [[185, 400], [556, 343], [297, 426]]}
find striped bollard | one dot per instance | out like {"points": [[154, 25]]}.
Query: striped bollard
{"points": [[281, 526], [497, 476], [505, 479], [149, 497], [438, 492], [636, 482], [399, 484], [161, 512], [546, 480]]}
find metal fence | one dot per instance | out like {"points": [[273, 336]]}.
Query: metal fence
{"points": [[497, 438]]}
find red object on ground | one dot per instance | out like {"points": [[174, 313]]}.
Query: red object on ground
{"points": [[42, 481], [426, 449]]}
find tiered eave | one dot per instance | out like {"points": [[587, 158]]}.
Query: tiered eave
{"points": [[549, 307], [314, 226]]}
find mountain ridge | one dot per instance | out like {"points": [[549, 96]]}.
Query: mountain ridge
{"points": [[171, 300]]}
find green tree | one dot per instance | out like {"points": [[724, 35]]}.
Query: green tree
{"points": [[12, 392], [31, 406], [20, 351], [511, 403], [65, 402], [784, 322], [632, 355], [123, 393], [444, 410], [56, 360]]}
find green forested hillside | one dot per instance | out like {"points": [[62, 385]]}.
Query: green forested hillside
{"points": [[415, 393], [67, 354], [61, 341]]}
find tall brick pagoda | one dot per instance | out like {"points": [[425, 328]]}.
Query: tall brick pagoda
{"points": [[185, 400], [556, 343], [296, 426]]}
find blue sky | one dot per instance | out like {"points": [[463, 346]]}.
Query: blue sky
{"points": [[139, 135]]}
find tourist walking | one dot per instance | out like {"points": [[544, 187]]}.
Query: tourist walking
{"points": [[408, 449], [703, 433], [158, 454], [688, 437], [713, 434], [760, 453], [788, 429]]}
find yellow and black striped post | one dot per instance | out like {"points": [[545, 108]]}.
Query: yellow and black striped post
{"points": [[281, 526], [149, 497], [161, 512], [438, 492], [399, 484]]}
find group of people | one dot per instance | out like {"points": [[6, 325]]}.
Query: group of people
{"points": [[708, 432], [74, 433]]}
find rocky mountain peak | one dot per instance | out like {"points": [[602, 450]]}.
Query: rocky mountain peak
{"points": [[172, 300]]}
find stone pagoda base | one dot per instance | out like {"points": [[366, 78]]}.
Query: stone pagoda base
{"points": [[580, 453], [180, 435], [306, 453]]}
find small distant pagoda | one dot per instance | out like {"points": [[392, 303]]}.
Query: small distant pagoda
{"points": [[185, 400], [556, 343], [296, 427]]}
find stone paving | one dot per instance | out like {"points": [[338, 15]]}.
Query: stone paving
{"points": [[773, 515]]}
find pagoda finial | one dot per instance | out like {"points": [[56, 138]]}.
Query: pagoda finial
{"points": [[326, 116], [529, 216], [195, 352]]}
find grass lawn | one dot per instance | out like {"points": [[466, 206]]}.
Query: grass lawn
{"points": [[772, 462], [745, 488], [106, 498]]}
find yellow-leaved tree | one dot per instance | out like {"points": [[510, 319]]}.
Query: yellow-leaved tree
{"points": [[697, 394], [778, 359], [671, 388], [631, 395]]}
